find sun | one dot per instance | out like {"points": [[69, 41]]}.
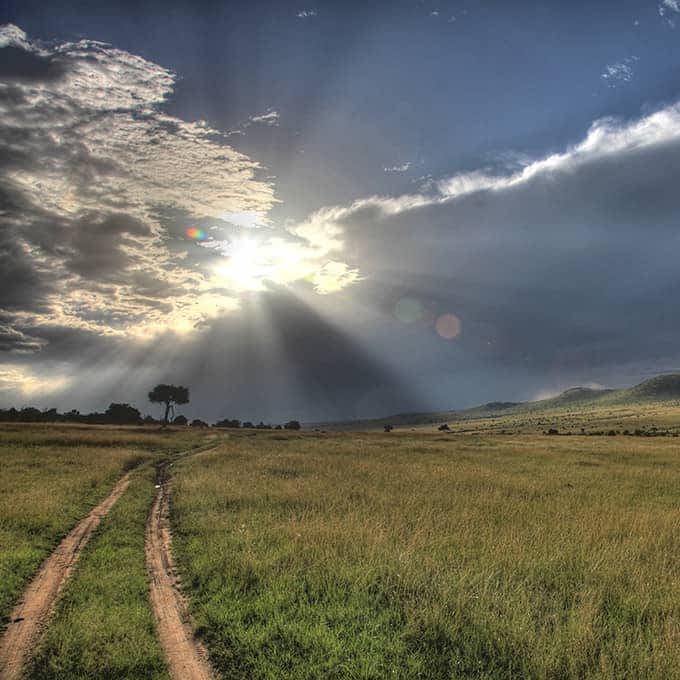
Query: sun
{"points": [[245, 267], [247, 264]]}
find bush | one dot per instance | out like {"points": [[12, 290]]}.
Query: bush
{"points": [[122, 414], [292, 425], [228, 423]]}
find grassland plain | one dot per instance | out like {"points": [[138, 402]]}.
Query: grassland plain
{"points": [[103, 626], [654, 403], [655, 417], [411, 555], [51, 476]]}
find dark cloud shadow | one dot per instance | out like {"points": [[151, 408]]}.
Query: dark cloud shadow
{"points": [[17, 64]]}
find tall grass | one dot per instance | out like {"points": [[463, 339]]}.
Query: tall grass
{"points": [[415, 556]]}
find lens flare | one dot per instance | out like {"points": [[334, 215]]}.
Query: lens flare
{"points": [[408, 310], [196, 234], [448, 326]]}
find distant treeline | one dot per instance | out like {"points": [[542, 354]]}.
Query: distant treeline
{"points": [[122, 414]]}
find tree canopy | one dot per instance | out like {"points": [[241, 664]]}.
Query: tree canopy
{"points": [[169, 395]]}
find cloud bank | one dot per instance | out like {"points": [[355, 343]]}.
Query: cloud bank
{"points": [[98, 186], [561, 270], [89, 162]]}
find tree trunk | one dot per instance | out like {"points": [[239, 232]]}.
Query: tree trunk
{"points": [[167, 410]]}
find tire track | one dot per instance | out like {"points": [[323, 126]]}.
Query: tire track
{"points": [[186, 656], [32, 613]]}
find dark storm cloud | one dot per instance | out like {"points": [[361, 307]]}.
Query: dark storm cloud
{"points": [[570, 264], [12, 340], [23, 286], [19, 65], [97, 245]]}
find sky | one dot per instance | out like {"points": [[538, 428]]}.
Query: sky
{"points": [[335, 210]]}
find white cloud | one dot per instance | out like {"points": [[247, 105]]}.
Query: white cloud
{"points": [[398, 168], [270, 118], [334, 276], [101, 177], [13, 36], [97, 164], [668, 9], [306, 13], [249, 219], [619, 72], [324, 229]]}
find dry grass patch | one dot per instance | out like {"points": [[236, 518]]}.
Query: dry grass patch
{"points": [[415, 556]]}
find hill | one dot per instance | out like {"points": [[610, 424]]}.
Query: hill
{"points": [[665, 387], [662, 389]]}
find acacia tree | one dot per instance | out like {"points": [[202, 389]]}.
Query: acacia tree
{"points": [[169, 395]]}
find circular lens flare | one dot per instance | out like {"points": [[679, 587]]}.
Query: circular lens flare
{"points": [[448, 326], [196, 234], [408, 310]]}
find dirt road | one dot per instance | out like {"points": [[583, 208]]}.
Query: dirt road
{"points": [[32, 613], [186, 657]]}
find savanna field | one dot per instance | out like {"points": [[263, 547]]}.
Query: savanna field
{"points": [[410, 554]]}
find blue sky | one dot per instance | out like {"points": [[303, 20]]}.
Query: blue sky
{"points": [[370, 151]]}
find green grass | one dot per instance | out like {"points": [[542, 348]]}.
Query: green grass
{"points": [[427, 556], [51, 477], [103, 626]]}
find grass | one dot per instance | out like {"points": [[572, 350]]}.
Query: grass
{"points": [[51, 477], [433, 556], [103, 626], [362, 555]]}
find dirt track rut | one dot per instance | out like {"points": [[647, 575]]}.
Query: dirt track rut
{"points": [[30, 616], [186, 657]]}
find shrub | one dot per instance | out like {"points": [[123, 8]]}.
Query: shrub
{"points": [[228, 423]]}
